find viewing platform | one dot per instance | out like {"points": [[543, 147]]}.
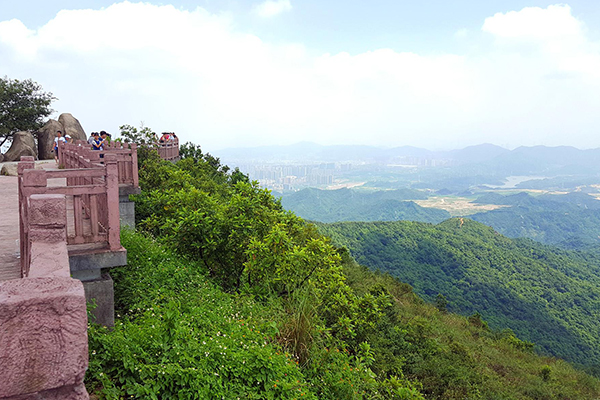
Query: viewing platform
{"points": [[169, 150], [59, 229]]}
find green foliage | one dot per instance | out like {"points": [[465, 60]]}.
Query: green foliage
{"points": [[23, 106], [546, 295], [178, 336], [142, 136], [236, 297], [571, 221], [441, 303], [545, 373], [355, 205]]}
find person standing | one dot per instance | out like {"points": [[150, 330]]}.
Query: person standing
{"points": [[97, 142], [59, 138], [105, 139]]}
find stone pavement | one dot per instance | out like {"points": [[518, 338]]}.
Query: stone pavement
{"points": [[9, 228], [10, 267]]}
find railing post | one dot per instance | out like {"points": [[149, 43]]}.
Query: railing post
{"points": [[31, 178], [112, 198], [27, 162], [48, 236], [134, 165]]}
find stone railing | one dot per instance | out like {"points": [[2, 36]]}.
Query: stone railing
{"points": [[169, 150], [43, 319], [80, 155], [92, 206]]}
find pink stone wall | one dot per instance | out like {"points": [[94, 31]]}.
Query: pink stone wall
{"points": [[43, 317], [48, 236], [43, 337]]}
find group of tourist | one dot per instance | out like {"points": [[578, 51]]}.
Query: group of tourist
{"points": [[167, 137], [98, 139]]}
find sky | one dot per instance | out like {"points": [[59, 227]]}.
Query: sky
{"points": [[434, 74]]}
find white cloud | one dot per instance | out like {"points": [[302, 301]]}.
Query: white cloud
{"points": [[270, 8], [555, 21], [192, 72]]}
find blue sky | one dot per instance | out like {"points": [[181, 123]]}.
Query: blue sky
{"points": [[434, 74]]}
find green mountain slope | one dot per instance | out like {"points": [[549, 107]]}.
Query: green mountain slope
{"points": [[353, 205], [227, 295], [571, 220], [546, 295]]}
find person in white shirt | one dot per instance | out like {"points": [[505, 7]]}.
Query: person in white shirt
{"points": [[59, 138]]}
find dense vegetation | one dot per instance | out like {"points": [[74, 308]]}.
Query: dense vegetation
{"points": [[23, 106], [546, 295], [228, 295], [570, 221], [353, 205]]}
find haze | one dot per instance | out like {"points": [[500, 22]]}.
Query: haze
{"points": [[232, 73]]}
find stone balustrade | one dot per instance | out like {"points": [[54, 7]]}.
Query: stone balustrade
{"points": [[169, 150], [43, 319]]}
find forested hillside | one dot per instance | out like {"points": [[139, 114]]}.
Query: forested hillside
{"points": [[570, 221], [353, 205], [546, 295], [228, 296]]}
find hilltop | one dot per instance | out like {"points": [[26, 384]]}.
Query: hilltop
{"points": [[228, 295]]}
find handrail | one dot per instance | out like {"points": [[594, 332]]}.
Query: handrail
{"points": [[168, 150], [80, 155], [92, 193]]}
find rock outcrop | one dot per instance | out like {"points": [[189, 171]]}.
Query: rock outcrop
{"points": [[9, 169], [72, 127], [46, 136], [23, 144]]}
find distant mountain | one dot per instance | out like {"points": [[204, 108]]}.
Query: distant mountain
{"points": [[354, 205], [545, 160], [546, 295], [476, 154], [304, 152], [487, 157]]}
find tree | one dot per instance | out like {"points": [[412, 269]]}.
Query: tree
{"points": [[143, 136], [441, 303], [23, 106]]}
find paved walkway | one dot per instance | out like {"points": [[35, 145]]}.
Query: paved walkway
{"points": [[10, 267]]}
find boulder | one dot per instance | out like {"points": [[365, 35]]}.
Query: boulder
{"points": [[72, 127], [23, 144], [9, 169], [46, 137]]}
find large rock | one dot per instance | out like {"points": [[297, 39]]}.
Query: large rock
{"points": [[9, 169], [72, 127], [23, 144], [46, 137]]}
